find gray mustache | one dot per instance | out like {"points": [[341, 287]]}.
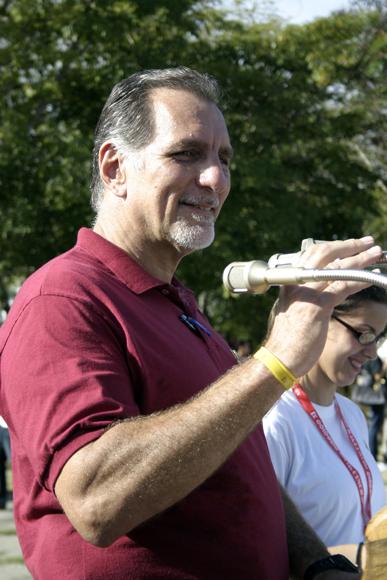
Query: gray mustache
{"points": [[199, 201]]}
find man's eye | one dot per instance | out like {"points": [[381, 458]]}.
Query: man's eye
{"points": [[186, 155]]}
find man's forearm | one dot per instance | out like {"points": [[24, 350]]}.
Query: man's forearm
{"points": [[142, 466]]}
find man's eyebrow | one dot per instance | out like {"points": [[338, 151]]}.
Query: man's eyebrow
{"points": [[225, 150]]}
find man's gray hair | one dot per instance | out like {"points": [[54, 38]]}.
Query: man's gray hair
{"points": [[127, 117]]}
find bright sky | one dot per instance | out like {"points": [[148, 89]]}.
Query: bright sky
{"points": [[295, 11], [299, 11]]}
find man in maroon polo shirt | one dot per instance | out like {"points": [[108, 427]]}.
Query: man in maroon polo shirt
{"points": [[137, 444]]}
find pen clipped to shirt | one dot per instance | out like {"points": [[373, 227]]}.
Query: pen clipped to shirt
{"points": [[194, 325]]}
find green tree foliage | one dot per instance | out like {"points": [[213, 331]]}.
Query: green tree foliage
{"points": [[305, 107], [59, 61]]}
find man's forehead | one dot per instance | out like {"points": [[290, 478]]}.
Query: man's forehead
{"points": [[184, 112], [171, 96]]}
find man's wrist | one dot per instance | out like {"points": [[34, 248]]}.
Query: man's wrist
{"points": [[276, 367]]}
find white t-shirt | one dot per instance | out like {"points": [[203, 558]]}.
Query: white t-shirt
{"points": [[313, 475]]}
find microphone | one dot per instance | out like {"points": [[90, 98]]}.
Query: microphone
{"points": [[290, 259], [257, 276], [279, 260]]}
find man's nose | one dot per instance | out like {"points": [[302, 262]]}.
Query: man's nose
{"points": [[215, 176]]}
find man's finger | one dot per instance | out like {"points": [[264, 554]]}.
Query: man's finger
{"points": [[320, 255]]}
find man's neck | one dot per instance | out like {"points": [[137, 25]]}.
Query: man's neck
{"points": [[158, 259]]}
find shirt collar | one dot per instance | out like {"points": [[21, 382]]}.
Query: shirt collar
{"points": [[124, 267]]}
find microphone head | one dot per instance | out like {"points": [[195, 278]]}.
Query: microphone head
{"points": [[241, 277]]}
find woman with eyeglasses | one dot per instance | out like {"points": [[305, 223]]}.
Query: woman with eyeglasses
{"points": [[318, 439]]}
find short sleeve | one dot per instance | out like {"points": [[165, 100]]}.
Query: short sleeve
{"points": [[278, 449], [67, 377]]}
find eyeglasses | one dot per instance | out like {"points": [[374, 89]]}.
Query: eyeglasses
{"points": [[364, 338]]}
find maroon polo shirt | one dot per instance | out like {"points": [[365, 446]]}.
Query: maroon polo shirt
{"points": [[92, 338]]}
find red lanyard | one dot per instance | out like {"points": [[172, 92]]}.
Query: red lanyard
{"points": [[306, 404]]}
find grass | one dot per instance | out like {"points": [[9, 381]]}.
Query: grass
{"points": [[8, 475], [7, 532], [4, 561]]}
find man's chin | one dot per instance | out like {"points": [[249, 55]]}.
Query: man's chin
{"points": [[192, 238]]}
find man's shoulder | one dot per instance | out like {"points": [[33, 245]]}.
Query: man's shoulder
{"points": [[70, 274], [65, 275], [74, 275]]}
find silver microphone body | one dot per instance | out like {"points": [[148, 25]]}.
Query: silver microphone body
{"points": [[284, 260], [257, 276]]}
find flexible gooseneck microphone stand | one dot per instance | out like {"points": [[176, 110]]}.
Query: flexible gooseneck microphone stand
{"points": [[257, 276]]}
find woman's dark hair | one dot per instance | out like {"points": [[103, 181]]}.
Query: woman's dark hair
{"points": [[370, 294]]}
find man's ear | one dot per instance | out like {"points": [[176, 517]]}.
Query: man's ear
{"points": [[112, 169]]}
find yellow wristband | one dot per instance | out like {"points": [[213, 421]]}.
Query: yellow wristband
{"points": [[276, 367]]}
